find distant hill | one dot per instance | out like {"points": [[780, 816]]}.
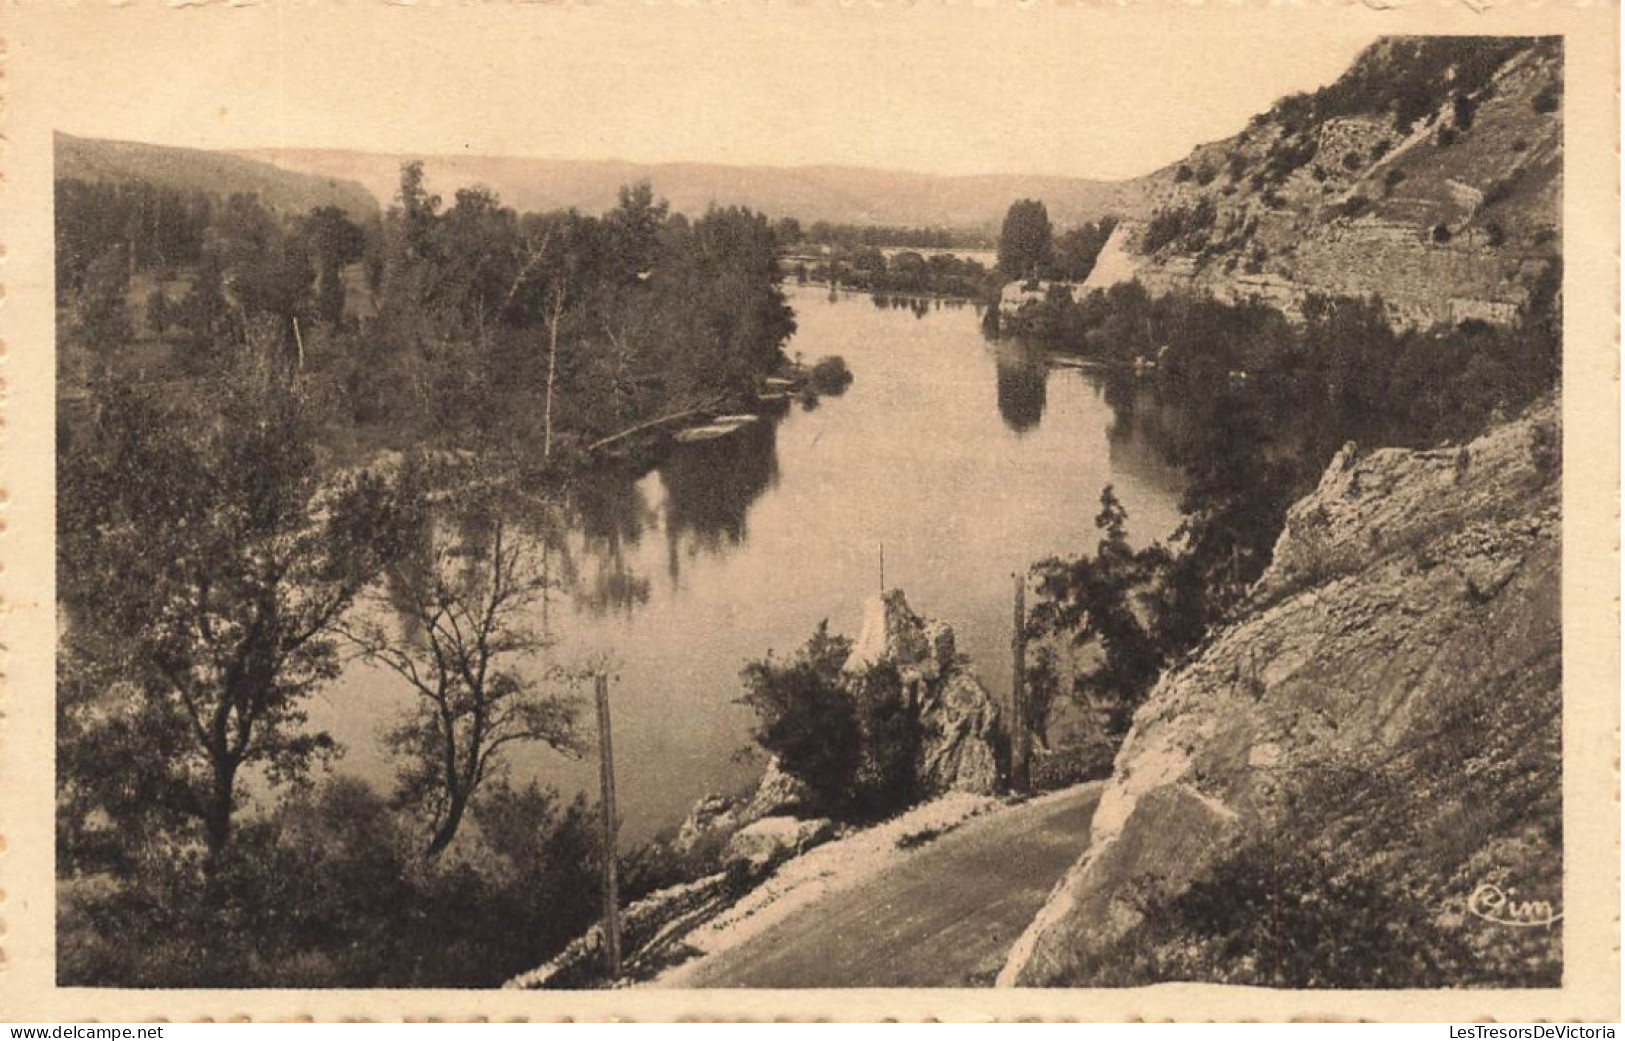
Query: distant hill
{"points": [[191, 169], [1430, 174], [840, 194]]}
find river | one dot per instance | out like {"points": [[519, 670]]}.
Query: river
{"points": [[968, 460]]}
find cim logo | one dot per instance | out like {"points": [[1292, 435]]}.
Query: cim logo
{"points": [[1501, 906]]}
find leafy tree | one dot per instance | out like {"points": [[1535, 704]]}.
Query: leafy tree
{"points": [[806, 717], [336, 241], [634, 227], [1077, 250], [465, 588], [1107, 604], [204, 567], [1026, 240]]}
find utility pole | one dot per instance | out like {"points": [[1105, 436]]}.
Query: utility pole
{"points": [[606, 782], [1021, 742]]}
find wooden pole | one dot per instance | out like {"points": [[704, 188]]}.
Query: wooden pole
{"points": [[1021, 741], [606, 781]]}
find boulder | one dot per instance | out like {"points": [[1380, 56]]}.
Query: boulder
{"points": [[716, 817], [773, 839]]}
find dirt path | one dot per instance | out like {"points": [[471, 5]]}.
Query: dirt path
{"points": [[944, 916]]}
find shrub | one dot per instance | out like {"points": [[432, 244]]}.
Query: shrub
{"points": [[1548, 99], [830, 375], [1182, 174], [1057, 768], [331, 891], [1352, 160], [1463, 109], [1356, 206], [1495, 235], [889, 729], [1446, 137], [1441, 233], [1392, 180], [1546, 449]]}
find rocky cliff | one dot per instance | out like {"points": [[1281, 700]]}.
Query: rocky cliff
{"points": [[1429, 174], [1358, 783]]}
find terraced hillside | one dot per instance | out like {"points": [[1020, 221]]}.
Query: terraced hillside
{"points": [[1430, 174]]}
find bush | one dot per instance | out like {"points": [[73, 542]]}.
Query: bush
{"points": [[331, 891], [1392, 180], [1356, 206], [1495, 235], [805, 716], [1446, 137], [830, 375], [1441, 233], [1548, 99], [1063, 767]]}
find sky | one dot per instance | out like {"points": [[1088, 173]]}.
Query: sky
{"points": [[925, 86]]}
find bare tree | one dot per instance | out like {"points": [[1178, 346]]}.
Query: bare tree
{"points": [[464, 600]]}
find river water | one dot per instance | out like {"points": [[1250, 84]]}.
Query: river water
{"points": [[967, 460]]}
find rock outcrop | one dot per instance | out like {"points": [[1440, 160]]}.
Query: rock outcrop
{"points": [[965, 740], [1386, 706]]}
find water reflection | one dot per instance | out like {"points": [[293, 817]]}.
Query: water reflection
{"points": [[920, 305], [1022, 377], [743, 544], [710, 487]]}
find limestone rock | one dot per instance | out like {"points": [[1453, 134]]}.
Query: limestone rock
{"points": [[777, 794], [964, 734], [773, 839], [717, 817]]}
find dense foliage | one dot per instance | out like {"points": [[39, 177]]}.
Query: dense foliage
{"points": [[858, 236], [330, 889], [1026, 240], [219, 556], [852, 739]]}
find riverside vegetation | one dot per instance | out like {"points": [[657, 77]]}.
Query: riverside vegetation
{"points": [[235, 516]]}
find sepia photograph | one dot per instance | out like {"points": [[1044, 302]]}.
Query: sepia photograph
{"points": [[1053, 510]]}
